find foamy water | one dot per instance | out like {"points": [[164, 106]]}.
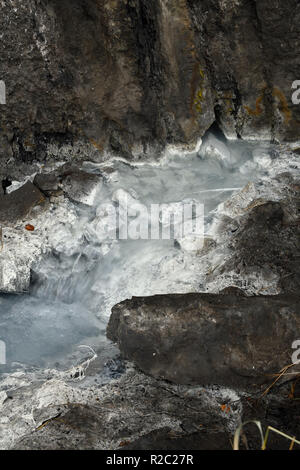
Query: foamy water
{"points": [[76, 285]]}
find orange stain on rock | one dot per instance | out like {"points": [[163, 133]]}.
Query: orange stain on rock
{"points": [[282, 106], [225, 408], [258, 109]]}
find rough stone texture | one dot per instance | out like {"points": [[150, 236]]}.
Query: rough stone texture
{"points": [[111, 74], [21, 248], [132, 75], [58, 414], [207, 338], [139, 412], [164, 439], [76, 184], [279, 409], [17, 205], [80, 186], [250, 53], [260, 233], [266, 239], [48, 183]]}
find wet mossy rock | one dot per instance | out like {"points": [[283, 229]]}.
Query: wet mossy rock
{"points": [[133, 75], [207, 338]]}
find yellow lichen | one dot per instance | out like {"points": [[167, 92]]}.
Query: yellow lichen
{"points": [[199, 94]]}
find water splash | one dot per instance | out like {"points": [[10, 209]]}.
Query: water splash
{"points": [[76, 285]]}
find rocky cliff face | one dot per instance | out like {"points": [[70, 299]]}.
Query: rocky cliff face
{"points": [[133, 75], [250, 53]]}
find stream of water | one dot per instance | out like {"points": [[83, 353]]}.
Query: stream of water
{"points": [[76, 286]]}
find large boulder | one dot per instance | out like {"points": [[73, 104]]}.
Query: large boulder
{"points": [[207, 338]]}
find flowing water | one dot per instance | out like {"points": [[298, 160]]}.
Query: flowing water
{"points": [[76, 286]]}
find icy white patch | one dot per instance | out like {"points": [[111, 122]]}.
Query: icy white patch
{"points": [[3, 397], [33, 406], [260, 282], [295, 145], [18, 184], [191, 243], [90, 198], [21, 247], [186, 149], [215, 148]]}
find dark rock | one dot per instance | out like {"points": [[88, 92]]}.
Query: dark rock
{"points": [[248, 56], [280, 409], [207, 338], [6, 183], [127, 76], [100, 75], [165, 439], [68, 179], [232, 290], [17, 204], [78, 185], [268, 237], [132, 412], [48, 183]]}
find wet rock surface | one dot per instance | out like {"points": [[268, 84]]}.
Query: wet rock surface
{"points": [[95, 76], [128, 413], [268, 238], [247, 56], [165, 439], [206, 338], [18, 204], [139, 412], [132, 76], [258, 236], [70, 180]]}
